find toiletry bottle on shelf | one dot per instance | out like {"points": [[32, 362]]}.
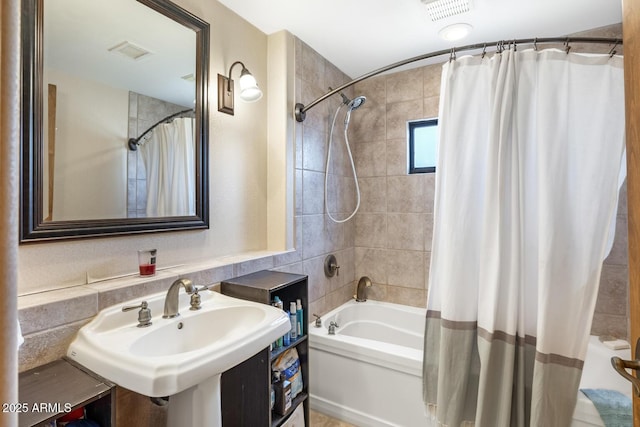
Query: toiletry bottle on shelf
{"points": [[279, 304], [275, 345], [294, 321], [283, 394], [299, 314], [287, 336]]}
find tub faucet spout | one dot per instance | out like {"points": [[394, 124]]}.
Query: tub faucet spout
{"points": [[361, 289], [171, 300]]}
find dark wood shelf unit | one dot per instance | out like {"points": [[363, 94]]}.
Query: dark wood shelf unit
{"points": [[245, 389], [49, 391], [277, 352]]}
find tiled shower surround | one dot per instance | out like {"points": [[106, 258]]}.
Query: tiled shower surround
{"points": [[389, 239], [144, 112], [394, 224]]}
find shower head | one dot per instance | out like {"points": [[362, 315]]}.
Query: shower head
{"points": [[356, 102]]}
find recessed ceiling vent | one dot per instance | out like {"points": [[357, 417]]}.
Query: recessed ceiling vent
{"points": [[130, 50], [189, 78], [440, 9]]}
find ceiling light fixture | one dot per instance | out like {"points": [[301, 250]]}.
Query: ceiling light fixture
{"points": [[249, 90], [455, 32]]}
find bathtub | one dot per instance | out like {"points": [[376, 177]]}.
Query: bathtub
{"points": [[598, 373], [370, 372]]}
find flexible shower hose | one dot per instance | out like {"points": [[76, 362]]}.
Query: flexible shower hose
{"points": [[353, 168]]}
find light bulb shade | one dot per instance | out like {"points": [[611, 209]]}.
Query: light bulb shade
{"points": [[249, 90], [455, 32]]}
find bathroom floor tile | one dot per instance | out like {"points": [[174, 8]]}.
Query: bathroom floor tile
{"points": [[317, 419]]}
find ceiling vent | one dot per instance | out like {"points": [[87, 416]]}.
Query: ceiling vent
{"points": [[130, 50], [440, 9], [189, 78]]}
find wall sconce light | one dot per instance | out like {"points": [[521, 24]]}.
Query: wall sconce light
{"points": [[249, 90]]}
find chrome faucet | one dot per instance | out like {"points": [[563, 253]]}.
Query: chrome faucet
{"points": [[171, 300], [332, 327], [361, 289]]}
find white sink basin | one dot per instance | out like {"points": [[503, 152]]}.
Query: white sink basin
{"points": [[198, 331], [173, 355]]}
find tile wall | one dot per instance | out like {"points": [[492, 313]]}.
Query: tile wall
{"points": [[144, 112], [320, 235], [394, 223], [50, 320], [611, 315]]}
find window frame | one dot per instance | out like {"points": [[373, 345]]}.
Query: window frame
{"points": [[412, 125]]}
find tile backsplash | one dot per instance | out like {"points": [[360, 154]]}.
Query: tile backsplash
{"points": [[50, 320]]}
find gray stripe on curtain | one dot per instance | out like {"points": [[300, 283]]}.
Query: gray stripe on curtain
{"points": [[509, 339], [510, 371]]}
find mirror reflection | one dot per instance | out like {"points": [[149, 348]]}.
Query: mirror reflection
{"points": [[107, 78], [115, 118]]}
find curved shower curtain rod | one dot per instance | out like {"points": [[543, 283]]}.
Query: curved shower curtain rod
{"points": [[301, 109], [134, 142]]}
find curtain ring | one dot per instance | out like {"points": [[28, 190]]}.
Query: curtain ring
{"points": [[613, 50], [484, 51], [515, 46], [452, 55], [567, 47], [535, 44]]}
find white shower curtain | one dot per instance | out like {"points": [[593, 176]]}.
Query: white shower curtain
{"points": [[169, 158], [529, 166]]}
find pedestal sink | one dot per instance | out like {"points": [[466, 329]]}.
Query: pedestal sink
{"points": [[182, 357]]}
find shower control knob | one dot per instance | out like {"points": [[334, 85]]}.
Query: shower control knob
{"points": [[331, 267]]}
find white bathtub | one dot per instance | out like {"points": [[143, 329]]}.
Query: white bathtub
{"points": [[598, 373], [370, 372]]}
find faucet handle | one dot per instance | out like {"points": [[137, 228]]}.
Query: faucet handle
{"points": [[318, 321], [143, 305], [332, 327], [144, 315], [196, 300]]}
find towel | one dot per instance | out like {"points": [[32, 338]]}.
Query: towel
{"points": [[617, 344], [614, 407]]}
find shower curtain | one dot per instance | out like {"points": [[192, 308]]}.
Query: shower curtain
{"points": [[529, 166], [169, 158]]}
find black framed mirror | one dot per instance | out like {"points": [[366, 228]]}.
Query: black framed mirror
{"points": [[76, 164]]}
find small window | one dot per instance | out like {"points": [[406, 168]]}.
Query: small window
{"points": [[423, 145]]}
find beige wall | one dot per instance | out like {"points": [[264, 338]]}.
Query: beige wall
{"points": [[239, 162], [90, 164], [238, 190]]}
